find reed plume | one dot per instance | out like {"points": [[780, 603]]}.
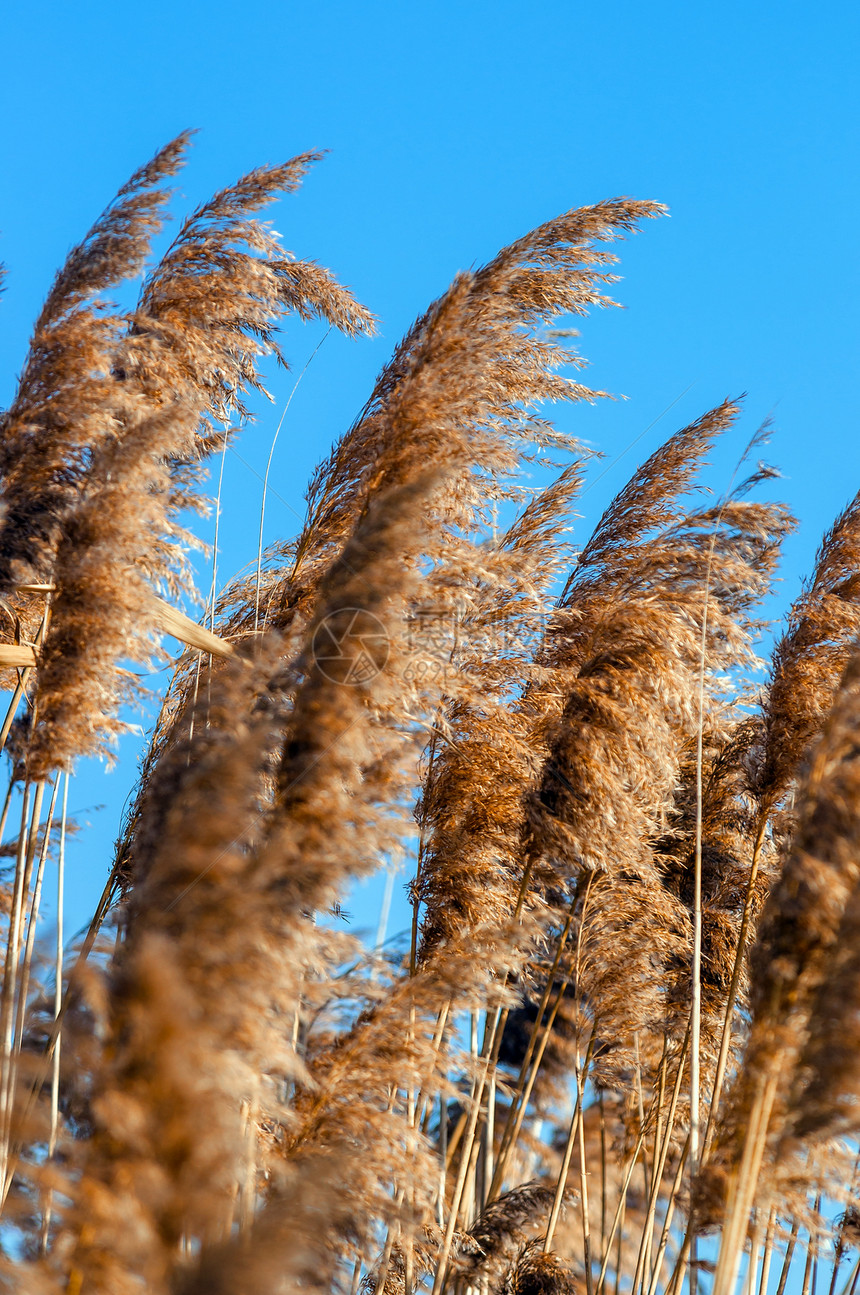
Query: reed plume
{"points": [[801, 920], [624, 1009], [168, 1014], [207, 311], [797, 937], [811, 655], [626, 648], [66, 400]]}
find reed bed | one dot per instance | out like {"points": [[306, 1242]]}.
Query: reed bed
{"points": [[617, 1052]]}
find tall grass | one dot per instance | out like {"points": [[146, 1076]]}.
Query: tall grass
{"points": [[617, 1052]]}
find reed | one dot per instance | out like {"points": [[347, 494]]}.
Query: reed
{"points": [[617, 1047]]}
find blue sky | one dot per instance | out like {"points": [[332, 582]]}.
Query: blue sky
{"points": [[453, 128]]}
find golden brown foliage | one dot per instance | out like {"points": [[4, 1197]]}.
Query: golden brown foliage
{"points": [[231, 1093]]}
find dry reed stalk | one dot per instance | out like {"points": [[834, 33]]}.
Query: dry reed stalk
{"points": [[206, 313], [406, 442], [799, 930], [631, 652], [169, 1013], [810, 657], [317, 759], [32, 918], [23, 676], [490, 314], [243, 1098], [575, 1134], [823, 1101], [674, 1197], [553, 270], [58, 1004], [31, 805], [471, 807], [530, 1066], [67, 396], [805, 669]]}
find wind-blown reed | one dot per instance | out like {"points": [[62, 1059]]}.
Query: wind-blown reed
{"points": [[619, 1038]]}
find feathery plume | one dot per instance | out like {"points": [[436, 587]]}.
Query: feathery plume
{"points": [[206, 312], [789, 963], [67, 399], [811, 655], [190, 1035]]}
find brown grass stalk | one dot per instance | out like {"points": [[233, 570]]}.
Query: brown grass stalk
{"points": [[635, 893]]}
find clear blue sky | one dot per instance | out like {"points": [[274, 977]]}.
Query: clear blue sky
{"points": [[453, 128]]}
